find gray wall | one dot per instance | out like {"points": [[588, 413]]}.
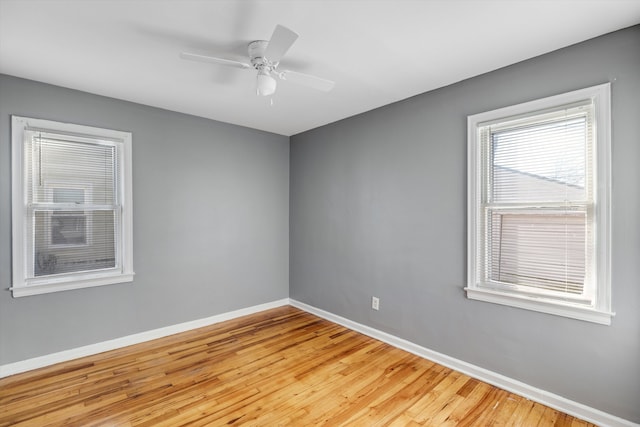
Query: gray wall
{"points": [[211, 218], [378, 207]]}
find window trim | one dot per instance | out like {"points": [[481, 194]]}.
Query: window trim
{"points": [[600, 310], [21, 284]]}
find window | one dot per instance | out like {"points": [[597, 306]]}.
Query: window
{"points": [[71, 210], [538, 205]]}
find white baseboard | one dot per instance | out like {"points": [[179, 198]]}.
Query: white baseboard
{"points": [[560, 403], [89, 350]]}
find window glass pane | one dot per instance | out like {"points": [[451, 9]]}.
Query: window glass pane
{"points": [[68, 195], [64, 244], [91, 166], [538, 250], [545, 162], [68, 228]]}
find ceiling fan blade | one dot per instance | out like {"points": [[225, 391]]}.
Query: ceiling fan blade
{"points": [[281, 40], [307, 80], [213, 60]]}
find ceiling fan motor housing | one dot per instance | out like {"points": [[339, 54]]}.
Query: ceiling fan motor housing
{"points": [[265, 84], [256, 55]]}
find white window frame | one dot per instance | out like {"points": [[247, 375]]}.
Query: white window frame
{"points": [[22, 284], [598, 308]]}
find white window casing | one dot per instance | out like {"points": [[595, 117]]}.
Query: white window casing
{"points": [[71, 206], [539, 205]]}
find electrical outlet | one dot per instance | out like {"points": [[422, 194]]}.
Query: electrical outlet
{"points": [[375, 303]]}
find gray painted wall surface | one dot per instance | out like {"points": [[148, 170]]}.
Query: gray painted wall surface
{"points": [[378, 207], [211, 220]]}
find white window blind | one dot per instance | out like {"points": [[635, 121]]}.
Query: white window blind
{"points": [[538, 218], [537, 201], [73, 203], [538, 251], [72, 216]]}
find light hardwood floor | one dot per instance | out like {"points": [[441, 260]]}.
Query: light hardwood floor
{"points": [[281, 367]]}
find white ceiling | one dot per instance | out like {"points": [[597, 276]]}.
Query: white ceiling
{"points": [[377, 52]]}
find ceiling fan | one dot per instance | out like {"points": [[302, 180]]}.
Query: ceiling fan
{"points": [[265, 56]]}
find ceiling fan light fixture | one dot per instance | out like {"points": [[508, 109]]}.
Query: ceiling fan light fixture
{"points": [[266, 85]]}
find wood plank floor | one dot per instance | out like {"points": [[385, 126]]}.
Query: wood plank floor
{"points": [[281, 367]]}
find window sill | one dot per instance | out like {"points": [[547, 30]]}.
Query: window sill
{"points": [[541, 305], [28, 290]]}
